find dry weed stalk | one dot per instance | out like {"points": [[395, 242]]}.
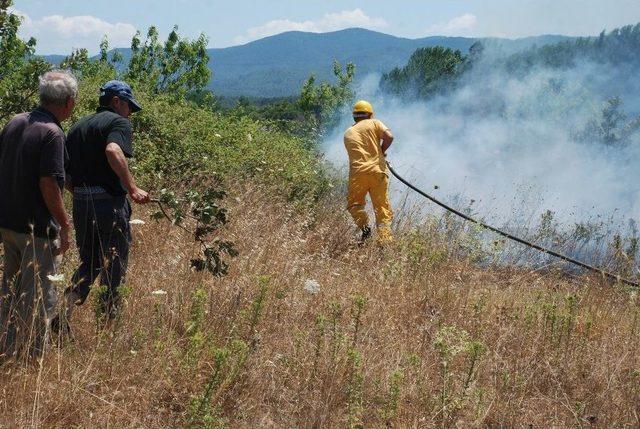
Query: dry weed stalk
{"points": [[414, 335]]}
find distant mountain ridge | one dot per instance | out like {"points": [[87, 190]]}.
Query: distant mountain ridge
{"points": [[276, 66]]}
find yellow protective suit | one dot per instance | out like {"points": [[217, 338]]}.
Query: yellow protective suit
{"points": [[368, 174], [377, 186]]}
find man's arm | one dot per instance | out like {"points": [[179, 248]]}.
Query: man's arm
{"points": [[119, 165], [387, 139], [53, 199]]}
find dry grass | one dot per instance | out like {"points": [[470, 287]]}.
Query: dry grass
{"points": [[410, 336]]}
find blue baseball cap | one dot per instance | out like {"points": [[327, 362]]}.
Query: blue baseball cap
{"points": [[123, 91]]}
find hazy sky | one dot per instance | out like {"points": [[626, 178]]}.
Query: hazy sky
{"points": [[60, 25]]}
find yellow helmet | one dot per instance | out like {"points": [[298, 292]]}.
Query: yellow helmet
{"points": [[362, 109]]}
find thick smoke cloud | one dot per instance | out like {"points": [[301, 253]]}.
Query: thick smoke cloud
{"points": [[508, 141]]}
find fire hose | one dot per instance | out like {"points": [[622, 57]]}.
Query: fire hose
{"points": [[542, 249]]}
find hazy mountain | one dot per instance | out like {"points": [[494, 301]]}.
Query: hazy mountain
{"points": [[54, 59], [277, 66]]}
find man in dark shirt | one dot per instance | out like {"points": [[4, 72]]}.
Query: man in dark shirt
{"points": [[33, 222], [98, 147]]}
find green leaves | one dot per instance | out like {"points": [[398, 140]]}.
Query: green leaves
{"points": [[19, 68], [199, 214], [177, 66], [83, 67], [611, 127], [428, 72], [322, 102]]}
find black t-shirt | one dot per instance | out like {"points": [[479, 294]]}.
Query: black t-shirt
{"points": [[31, 147], [86, 144]]}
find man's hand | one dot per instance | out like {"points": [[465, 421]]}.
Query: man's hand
{"points": [[65, 234], [118, 164], [139, 196], [52, 196]]}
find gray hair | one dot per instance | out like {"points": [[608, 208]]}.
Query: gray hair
{"points": [[57, 86]]}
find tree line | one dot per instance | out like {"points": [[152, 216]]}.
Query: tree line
{"points": [[437, 71]]}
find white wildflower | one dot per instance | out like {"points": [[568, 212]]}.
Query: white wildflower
{"points": [[249, 137], [218, 135], [136, 222], [56, 278], [159, 292], [312, 286]]}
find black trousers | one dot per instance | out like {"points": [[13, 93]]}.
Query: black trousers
{"points": [[103, 237]]}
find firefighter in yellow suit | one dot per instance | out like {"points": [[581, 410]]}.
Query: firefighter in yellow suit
{"points": [[366, 142]]}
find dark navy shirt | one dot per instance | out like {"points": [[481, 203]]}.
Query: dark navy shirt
{"points": [[31, 147], [86, 144]]}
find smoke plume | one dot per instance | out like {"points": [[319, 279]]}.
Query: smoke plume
{"points": [[512, 146]]}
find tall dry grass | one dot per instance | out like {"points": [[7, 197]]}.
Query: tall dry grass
{"points": [[412, 335]]}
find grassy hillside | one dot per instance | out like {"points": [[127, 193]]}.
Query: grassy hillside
{"points": [[307, 329], [413, 336]]}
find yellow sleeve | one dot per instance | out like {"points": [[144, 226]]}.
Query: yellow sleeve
{"points": [[380, 127]]}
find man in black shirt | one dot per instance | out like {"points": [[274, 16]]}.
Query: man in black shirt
{"points": [[98, 147], [33, 222]]}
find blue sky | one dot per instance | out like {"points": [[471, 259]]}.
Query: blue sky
{"points": [[60, 25]]}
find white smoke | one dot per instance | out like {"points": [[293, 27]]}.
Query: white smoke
{"points": [[508, 142]]}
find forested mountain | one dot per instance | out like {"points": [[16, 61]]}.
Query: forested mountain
{"points": [[435, 69], [277, 66]]}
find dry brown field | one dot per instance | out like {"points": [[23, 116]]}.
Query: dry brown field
{"points": [[310, 331]]}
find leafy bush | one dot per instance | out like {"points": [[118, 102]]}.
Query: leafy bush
{"points": [[176, 139], [186, 152], [428, 72], [19, 68]]}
